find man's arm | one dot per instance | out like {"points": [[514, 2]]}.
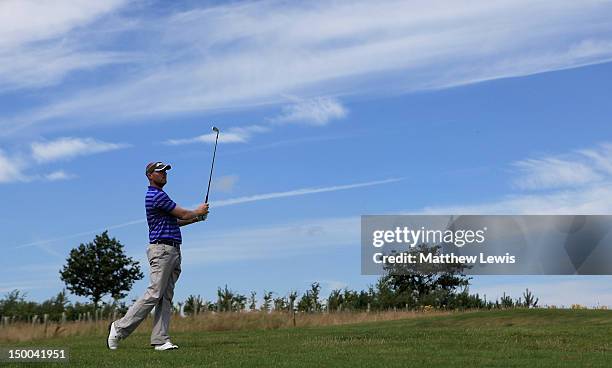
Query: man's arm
{"points": [[188, 222], [188, 215]]}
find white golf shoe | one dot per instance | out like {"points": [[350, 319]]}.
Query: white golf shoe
{"points": [[166, 346], [113, 337]]}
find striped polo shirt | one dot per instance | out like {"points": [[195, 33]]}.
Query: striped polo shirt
{"points": [[162, 225]]}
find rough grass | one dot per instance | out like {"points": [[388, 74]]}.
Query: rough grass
{"points": [[511, 338], [21, 332]]}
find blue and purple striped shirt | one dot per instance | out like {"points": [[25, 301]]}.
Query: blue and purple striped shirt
{"points": [[162, 225]]}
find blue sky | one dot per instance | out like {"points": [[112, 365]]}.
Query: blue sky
{"points": [[328, 110]]}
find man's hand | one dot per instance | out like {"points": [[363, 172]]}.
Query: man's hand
{"points": [[202, 209], [204, 215]]}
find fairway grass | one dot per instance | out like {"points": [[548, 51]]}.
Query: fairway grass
{"points": [[511, 338]]}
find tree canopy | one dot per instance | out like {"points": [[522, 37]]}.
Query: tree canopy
{"points": [[99, 268]]}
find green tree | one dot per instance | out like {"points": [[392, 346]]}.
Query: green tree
{"points": [[280, 304], [228, 300], [253, 301], [291, 300], [415, 283], [225, 298], [55, 306], [335, 300], [506, 301], [267, 303], [99, 268], [13, 304], [530, 300], [194, 305], [310, 300]]}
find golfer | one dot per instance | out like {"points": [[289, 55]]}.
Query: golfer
{"points": [[164, 253]]}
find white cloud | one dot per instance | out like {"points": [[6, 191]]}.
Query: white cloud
{"points": [[11, 169], [249, 54], [68, 147], [571, 170], [17, 167], [23, 68], [224, 183], [233, 135], [601, 157], [553, 172], [38, 44], [578, 182], [583, 198], [591, 200], [209, 138], [25, 21], [59, 175], [315, 111]]}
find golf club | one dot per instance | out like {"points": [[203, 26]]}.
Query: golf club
{"points": [[215, 129]]}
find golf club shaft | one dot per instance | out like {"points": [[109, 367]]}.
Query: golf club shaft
{"points": [[211, 167]]}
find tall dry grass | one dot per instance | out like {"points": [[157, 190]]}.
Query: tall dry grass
{"points": [[20, 332]]}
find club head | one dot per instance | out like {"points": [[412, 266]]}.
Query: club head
{"points": [[215, 129]]}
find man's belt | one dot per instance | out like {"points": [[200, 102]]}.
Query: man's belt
{"points": [[170, 242]]}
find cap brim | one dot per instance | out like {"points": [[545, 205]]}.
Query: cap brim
{"points": [[163, 168]]}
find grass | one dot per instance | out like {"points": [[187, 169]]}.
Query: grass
{"points": [[22, 332], [511, 338]]}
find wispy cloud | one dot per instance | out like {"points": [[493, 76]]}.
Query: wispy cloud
{"points": [[315, 111], [601, 157], [224, 183], [227, 202], [232, 135], [42, 242], [573, 169], [19, 167], [59, 175], [578, 182], [39, 42], [25, 21], [249, 54], [66, 148], [553, 172], [593, 196], [11, 169], [590, 200], [299, 192]]}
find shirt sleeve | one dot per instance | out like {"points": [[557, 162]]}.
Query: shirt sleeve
{"points": [[163, 202]]}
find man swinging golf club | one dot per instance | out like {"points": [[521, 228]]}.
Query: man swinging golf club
{"points": [[164, 218]]}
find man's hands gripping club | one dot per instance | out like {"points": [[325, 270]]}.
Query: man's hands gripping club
{"points": [[186, 217], [203, 216]]}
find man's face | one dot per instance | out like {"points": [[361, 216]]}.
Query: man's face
{"points": [[159, 178]]}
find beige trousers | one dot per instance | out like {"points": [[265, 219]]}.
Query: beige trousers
{"points": [[165, 264]]}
